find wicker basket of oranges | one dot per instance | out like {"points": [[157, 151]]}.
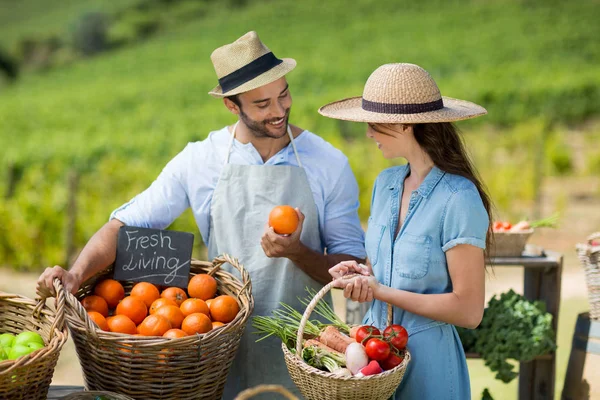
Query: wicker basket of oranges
{"points": [[150, 342]]}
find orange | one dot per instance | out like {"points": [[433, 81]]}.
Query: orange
{"points": [[134, 308], [174, 333], [158, 303], [154, 325], [95, 303], [194, 305], [98, 320], [121, 324], [224, 309], [145, 291], [174, 293], [284, 220], [196, 323], [217, 324], [173, 314], [202, 286], [110, 290]]}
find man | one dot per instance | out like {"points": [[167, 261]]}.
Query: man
{"points": [[232, 180]]}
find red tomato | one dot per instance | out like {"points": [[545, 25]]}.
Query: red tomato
{"points": [[391, 362], [506, 225], [365, 331], [396, 335], [497, 225], [377, 349]]}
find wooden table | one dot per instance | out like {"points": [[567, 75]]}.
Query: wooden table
{"points": [[541, 281]]}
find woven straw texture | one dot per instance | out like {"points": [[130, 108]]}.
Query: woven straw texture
{"points": [[29, 377], [404, 84], [510, 244], [589, 256], [260, 389], [192, 367], [231, 57], [94, 395], [315, 384]]}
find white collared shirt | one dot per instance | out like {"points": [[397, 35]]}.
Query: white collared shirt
{"points": [[190, 178]]}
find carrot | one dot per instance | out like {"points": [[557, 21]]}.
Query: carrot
{"points": [[313, 342], [353, 331], [335, 339]]}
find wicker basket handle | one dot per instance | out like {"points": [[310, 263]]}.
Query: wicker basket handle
{"points": [[226, 258], [251, 392], [59, 319], [76, 306], [311, 306]]}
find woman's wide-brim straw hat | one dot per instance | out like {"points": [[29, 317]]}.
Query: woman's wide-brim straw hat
{"points": [[246, 64], [401, 93]]}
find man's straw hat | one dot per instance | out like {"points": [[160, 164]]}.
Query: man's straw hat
{"points": [[401, 93], [245, 65]]}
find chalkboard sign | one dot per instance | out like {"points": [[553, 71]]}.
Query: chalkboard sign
{"points": [[153, 255]]}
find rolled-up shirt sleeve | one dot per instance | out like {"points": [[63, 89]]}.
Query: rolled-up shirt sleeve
{"points": [[465, 220], [343, 233], [166, 198]]}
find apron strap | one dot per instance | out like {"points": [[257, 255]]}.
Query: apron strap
{"points": [[289, 131]]}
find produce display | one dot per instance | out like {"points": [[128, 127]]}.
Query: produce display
{"points": [[524, 225], [512, 328], [171, 312], [334, 346], [13, 347]]}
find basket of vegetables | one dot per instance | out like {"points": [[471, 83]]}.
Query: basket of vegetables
{"points": [[31, 337], [510, 240], [149, 342], [589, 256], [331, 360]]}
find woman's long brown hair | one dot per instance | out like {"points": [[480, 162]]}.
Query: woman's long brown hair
{"points": [[445, 146]]}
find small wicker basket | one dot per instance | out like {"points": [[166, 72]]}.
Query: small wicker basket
{"points": [[29, 377], [589, 256], [510, 244], [95, 395], [260, 389], [315, 384], [192, 367]]}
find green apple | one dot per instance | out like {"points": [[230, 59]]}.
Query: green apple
{"points": [[28, 337], [18, 350], [35, 346], [7, 340], [3, 355]]}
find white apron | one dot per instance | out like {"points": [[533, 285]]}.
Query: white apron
{"points": [[241, 203]]}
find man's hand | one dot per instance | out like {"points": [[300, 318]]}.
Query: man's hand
{"points": [[45, 284], [275, 245]]}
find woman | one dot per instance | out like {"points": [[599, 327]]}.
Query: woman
{"points": [[428, 227]]}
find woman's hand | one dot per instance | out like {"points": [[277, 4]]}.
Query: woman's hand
{"points": [[349, 267], [360, 288]]}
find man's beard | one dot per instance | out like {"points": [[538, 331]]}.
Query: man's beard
{"points": [[260, 128]]}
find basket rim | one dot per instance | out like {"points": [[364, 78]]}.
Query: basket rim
{"points": [[325, 374], [509, 233]]}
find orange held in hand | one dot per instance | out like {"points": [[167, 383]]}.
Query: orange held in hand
{"points": [[284, 220]]}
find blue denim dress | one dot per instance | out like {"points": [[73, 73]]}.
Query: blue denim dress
{"points": [[446, 210]]}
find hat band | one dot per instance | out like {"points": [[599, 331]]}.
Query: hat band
{"points": [[387, 108], [248, 72]]}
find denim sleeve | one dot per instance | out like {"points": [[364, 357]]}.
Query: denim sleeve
{"points": [[465, 220], [166, 198], [343, 233]]}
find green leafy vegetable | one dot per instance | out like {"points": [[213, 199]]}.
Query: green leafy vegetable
{"points": [[512, 328]]}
